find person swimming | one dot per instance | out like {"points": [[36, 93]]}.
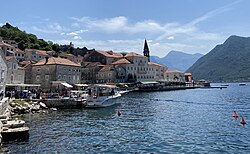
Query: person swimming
{"points": [[235, 115]]}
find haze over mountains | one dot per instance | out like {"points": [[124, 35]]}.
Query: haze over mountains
{"points": [[177, 60], [228, 62]]}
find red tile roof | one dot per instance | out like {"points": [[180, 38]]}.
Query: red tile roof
{"points": [[173, 71], [121, 61], [151, 63], [107, 68], [133, 54], [38, 52], [110, 54], [56, 61], [187, 74], [9, 57], [5, 44]]}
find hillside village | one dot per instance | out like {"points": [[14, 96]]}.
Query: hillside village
{"points": [[32, 67]]}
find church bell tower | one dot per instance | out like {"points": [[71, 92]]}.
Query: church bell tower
{"points": [[146, 50]]}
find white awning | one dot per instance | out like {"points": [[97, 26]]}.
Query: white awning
{"points": [[81, 85], [23, 85], [67, 85]]}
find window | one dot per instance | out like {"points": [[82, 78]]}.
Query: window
{"points": [[19, 77], [47, 77], [38, 70], [59, 77], [38, 78], [14, 66]]}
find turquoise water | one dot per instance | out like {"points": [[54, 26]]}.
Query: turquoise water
{"points": [[185, 121]]}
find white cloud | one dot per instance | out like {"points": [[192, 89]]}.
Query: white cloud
{"points": [[72, 33], [171, 38], [77, 37], [51, 28]]}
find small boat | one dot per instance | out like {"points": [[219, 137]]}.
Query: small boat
{"points": [[102, 96], [242, 84], [225, 85]]}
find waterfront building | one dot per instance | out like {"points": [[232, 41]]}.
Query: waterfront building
{"points": [[36, 55], [27, 65], [3, 71], [55, 69], [15, 73], [157, 71], [174, 76], [121, 74], [104, 57], [74, 58], [188, 77], [106, 74], [89, 71]]}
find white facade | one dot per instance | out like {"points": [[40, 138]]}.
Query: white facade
{"points": [[174, 76], [3, 72], [143, 70], [15, 74]]}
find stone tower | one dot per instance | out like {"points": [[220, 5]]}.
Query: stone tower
{"points": [[146, 50]]}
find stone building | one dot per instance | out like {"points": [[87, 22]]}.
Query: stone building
{"points": [[89, 71], [8, 50], [35, 55], [74, 58], [104, 57], [3, 71], [55, 69], [15, 73], [106, 74], [27, 65], [174, 76]]}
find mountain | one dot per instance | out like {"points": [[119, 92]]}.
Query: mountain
{"points": [[177, 60], [228, 62]]}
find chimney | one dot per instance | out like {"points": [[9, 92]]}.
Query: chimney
{"points": [[46, 60]]}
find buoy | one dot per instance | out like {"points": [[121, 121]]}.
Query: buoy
{"points": [[242, 121], [119, 113], [235, 115]]}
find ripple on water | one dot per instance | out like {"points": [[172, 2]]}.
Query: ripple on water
{"points": [[186, 121]]}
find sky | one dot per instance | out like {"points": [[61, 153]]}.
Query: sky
{"points": [[191, 26]]}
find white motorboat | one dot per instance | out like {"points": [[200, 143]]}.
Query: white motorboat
{"points": [[102, 96]]}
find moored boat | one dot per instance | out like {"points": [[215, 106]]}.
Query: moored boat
{"points": [[242, 84], [102, 96]]}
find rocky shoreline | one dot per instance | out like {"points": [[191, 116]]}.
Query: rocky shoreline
{"points": [[23, 107]]}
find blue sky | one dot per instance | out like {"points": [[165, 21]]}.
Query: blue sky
{"points": [[192, 26]]}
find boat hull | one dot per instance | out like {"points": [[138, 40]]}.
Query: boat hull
{"points": [[102, 101]]}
